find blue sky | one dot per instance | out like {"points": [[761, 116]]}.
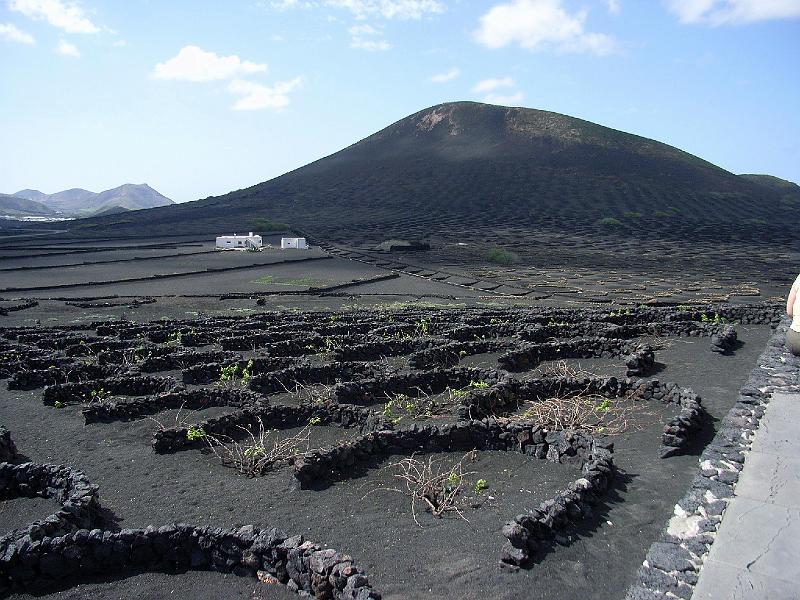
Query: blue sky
{"points": [[199, 98]]}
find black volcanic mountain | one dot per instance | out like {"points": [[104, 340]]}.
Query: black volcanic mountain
{"points": [[467, 168], [80, 202]]}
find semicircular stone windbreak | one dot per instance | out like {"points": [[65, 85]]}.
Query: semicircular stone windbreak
{"points": [[79, 499], [528, 534], [639, 358], [235, 425], [507, 395], [70, 545]]}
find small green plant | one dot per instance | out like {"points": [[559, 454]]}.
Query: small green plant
{"points": [[195, 433], [479, 385], [633, 214], [254, 452], [422, 327], [604, 406], [247, 373], [452, 481], [609, 222], [58, 404], [98, 394], [228, 374], [499, 256], [314, 421], [481, 485], [174, 339], [554, 323], [389, 414], [716, 318], [329, 345], [456, 393], [462, 353], [333, 318]]}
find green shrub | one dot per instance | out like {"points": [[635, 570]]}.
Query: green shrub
{"points": [[633, 214], [609, 222], [499, 256]]}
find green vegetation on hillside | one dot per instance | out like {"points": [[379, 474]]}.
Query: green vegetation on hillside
{"points": [[264, 224], [499, 256]]}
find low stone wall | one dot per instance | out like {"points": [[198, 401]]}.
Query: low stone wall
{"points": [[69, 373], [724, 340], [273, 417], [76, 393], [196, 399], [508, 394], [79, 498], [449, 354], [322, 466], [182, 359], [373, 350], [378, 389], [289, 343], [269, 554], [532, 532], [8, 451], [307, 374], [672, 564], [639, 358], [29, 303], [66, 546], [210, 372]]}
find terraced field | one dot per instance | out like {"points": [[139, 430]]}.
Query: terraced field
{"points": [[559, 454]]}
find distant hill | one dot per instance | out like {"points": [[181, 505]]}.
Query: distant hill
{"points": [[465, 169], [12, 206], [80, 202]]}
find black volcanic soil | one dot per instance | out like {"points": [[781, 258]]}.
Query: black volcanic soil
{"points": [[445, 558]]}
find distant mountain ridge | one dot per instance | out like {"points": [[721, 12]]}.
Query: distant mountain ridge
{"points": [[80, 202], [464, 169], [14, 206]]}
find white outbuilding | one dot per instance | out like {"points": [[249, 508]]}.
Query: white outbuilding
{"points": [[296, 243], [239, 242]]}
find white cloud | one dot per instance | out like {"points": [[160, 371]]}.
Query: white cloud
{"points": [[445, 77], [538, 25], [614, 6], [68, 16], [256, 96], [511, 100], [733, 12], [194, 64], [67, 49], [489, 85], [363, 37], [120, 43], [362, 9], [11, 33], [288, 4], [389, 9]]}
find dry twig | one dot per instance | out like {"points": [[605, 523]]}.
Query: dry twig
{"points": [[260, 451], [438, 487]]}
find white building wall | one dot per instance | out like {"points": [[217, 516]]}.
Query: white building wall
{"points": [[294, 243], [239, 242]]}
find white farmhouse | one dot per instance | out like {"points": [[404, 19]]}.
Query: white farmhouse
{"points": [[297, 243], [239, 242]]}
